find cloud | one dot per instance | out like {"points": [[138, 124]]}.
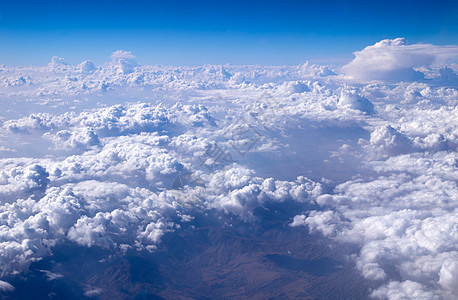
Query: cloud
{"points": [[403, 290], [92, 292], [81, 139], [22, 180], [114, 192], [316, 70], [121, 54], [57, 62], [350, 99], [87, 66], [6, 287], [387, 141], [295, 87], [124, 61], [395, 60], [404, 222], [52, 276], [39, 121], [449, 276]]}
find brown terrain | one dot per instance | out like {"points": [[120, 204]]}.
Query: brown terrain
{"points": [[217, 259]]}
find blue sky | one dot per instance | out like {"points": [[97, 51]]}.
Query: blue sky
{"points": [[215, 32]]}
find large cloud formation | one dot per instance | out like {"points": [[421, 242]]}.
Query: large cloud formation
{"points": [[395, 60], [119, 156], [405, 222], [116, 193]]}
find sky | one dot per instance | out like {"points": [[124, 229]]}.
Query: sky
{"points": [[190, 182], [216, 32]]}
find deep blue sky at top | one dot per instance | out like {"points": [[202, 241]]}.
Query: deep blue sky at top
{"points": [[215, 32]]}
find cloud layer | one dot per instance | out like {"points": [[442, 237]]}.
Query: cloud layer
{"points": [[119, 156]]}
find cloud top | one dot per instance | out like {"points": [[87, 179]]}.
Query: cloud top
{"points": [[395, 60]]}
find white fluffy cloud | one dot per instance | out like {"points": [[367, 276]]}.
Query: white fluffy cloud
{"points": [[18, 180], [395, 60], [124, 61], [352, 100], [115, 191], [404, 221]]}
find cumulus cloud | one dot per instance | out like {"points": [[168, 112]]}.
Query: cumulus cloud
{"points": [[295, 87], [124, 61], [350, 99], [308, 69], [387, 141], [87, 66], [57, 61], [114, 193], [81, 139], [404, 222], [395, 60], [403, 290], [449, 276], [20, 180]]}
